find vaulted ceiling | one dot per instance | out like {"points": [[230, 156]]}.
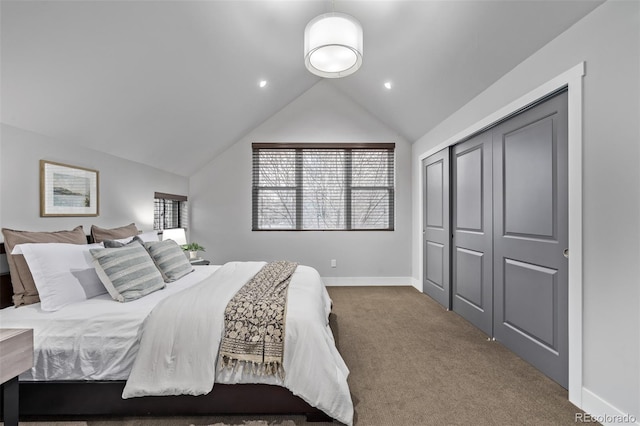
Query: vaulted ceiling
{"points": [[173, 83]]}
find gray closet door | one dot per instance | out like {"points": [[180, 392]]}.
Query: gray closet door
{"points": [[436, 227], [530, 234], [472, 224]]}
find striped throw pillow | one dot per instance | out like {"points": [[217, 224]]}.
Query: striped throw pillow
{"points": [[128, 273], [169, 258]]}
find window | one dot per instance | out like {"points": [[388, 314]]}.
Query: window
{"points": [[323, 186], [170, 211]]}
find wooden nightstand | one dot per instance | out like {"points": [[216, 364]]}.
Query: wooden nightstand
{"points": [[16, 357]]}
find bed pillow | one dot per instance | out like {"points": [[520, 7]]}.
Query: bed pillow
{"points": [[169, 259], [128, 273], [100, 234], [120, 242], [148, 236], [63, 273], [24, 288], [116, 243], [141, 238]]}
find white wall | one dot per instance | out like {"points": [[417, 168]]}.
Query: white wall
{"points": [[608, 40], [126, 188], [220, 196]]}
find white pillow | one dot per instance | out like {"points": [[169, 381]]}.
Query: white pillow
{"points": [[147, 237], [63, 273]]}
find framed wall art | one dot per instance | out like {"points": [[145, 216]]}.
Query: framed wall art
{"points": [[68, 190]]}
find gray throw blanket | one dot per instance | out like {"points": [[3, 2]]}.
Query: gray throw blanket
{"points": [[255, 322]]}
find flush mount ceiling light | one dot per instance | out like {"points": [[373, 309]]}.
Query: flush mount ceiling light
{"points": [[333, 45]]}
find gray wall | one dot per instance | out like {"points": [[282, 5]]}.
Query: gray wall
{"points": [[220, 195], [126, 188], [608, 40]]}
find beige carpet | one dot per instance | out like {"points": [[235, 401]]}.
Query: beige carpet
{"points": [[414, 363]]}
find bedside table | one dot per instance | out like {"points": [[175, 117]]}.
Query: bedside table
{"points": [[16, 357], [200, 262]]}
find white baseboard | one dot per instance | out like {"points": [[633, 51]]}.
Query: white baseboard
{"points": [[603, 412], [367, 281], [416, 283]]}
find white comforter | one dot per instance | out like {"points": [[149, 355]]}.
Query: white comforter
{"points": [[177, 353], [98, 339]]}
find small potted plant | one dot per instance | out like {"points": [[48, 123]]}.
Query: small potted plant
{"points": [[193, 249]]}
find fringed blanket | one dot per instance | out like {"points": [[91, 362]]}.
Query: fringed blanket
{"points": [[255, 321]]}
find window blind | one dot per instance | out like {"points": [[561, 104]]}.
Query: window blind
{"points": [[323, 186], [170, 211]]}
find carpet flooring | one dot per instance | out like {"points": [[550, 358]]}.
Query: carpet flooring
{"points": [[413, 363]]}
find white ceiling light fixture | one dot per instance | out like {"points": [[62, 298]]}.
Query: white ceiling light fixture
{"points": [[333, 45], [387, 85], [262, 83]]}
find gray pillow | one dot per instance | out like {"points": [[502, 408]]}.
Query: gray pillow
{"points": [[128, 273], [169, 258], [113, 244]]}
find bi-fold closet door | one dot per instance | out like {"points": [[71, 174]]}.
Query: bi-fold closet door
{"points": [[507, 224]]}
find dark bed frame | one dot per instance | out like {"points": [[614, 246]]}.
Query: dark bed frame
{"points": [[74, 399]]}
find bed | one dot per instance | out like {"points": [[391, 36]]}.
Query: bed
{"points": [[84, 354]]}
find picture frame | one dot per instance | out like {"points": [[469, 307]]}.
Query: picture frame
{"points": [[68, 190]]}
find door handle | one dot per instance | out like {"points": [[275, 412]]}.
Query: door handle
{"points": [[565, 253]]}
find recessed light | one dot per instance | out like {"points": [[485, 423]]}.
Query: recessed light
{"points": [[262, 83], [387, 85]]}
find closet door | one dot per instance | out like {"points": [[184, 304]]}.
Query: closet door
{"points": [[436, 228], [472, 223], [531, 233]]}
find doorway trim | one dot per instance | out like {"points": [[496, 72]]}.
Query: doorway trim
{"points": [[572, 79]]}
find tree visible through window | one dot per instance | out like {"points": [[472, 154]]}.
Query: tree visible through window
{"points": [[323, 186]]}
